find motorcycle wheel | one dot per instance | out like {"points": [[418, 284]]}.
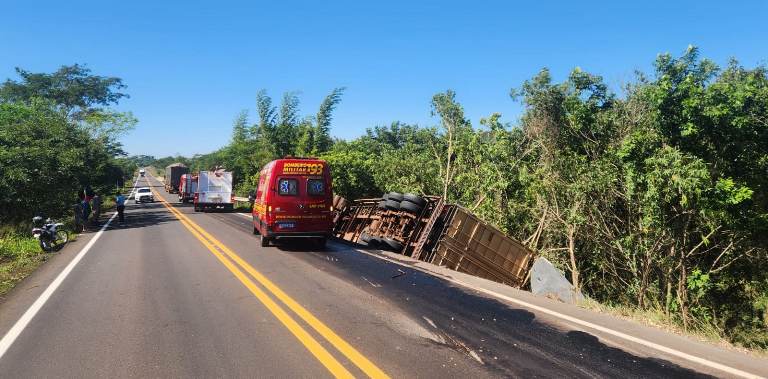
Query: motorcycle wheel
{"points": [[62, 237], [45, 245]]}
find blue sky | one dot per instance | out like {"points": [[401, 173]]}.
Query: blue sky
{"points": [[192, 66]]}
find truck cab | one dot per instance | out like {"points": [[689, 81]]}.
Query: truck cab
{"points": [[293, 200]]}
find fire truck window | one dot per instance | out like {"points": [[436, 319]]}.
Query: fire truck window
{"points": [[315, 187], [288, 187]]}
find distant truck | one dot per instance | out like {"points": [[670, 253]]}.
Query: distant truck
{"points": [[173, 175], [187, 188], [142, 172], [214, 191]]}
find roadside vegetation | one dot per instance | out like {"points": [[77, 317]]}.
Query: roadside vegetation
{"points": [[58, 134], [653, 200]]}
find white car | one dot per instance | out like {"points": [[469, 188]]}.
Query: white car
{"points": [[144, 194]]}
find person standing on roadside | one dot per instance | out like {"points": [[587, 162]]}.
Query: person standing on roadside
{"points": [[86, 212], [96, 208], [78, 210], [120, 203]]}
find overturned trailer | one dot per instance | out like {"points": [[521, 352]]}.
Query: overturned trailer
{"points": [[433, 231]]}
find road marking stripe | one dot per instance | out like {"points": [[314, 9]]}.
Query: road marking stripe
{"points": [[668, 350], [10, 337], [345, 348], [322, 355]]}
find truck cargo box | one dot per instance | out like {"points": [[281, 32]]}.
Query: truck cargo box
{"points": [[444, 234], [468, 244], [214, 191], [173, 175]]}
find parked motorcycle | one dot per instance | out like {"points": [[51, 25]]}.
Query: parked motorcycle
{"points": [[50, 234]]}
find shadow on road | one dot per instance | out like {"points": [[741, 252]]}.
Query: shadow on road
{"points": [[143, 215], [508, 340]]}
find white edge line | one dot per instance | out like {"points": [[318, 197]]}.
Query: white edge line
{"points": [[587, 324], [10, 337]]}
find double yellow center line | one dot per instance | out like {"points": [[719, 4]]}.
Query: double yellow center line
{"points": [[237, 265]]}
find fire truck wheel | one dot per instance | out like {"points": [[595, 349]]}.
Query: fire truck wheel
{"points": [[415, 199], [392, 205], [396, 196], [365, 237], [393, 245], [410, 207], [264, 241], [255, 231]]}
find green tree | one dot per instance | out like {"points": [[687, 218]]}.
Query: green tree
{"points": [[72, 88], [321, 136]]}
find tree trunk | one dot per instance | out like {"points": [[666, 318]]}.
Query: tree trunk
{"points": [[447, 181], [572, 253], [682, 291], [644, 275]]}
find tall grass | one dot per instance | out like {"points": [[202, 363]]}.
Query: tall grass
{"points": [[19, 256]]}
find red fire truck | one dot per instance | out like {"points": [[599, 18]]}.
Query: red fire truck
{"points": [[187, 187]]}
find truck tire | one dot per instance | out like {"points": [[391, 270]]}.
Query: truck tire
{"points": [[392, 244], [415, 199], [255, 231], [411, 207], [396, 196], [392, 205], [365, 237], [264, 241]]}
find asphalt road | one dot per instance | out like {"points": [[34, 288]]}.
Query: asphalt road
{"points": [[174, 293]]}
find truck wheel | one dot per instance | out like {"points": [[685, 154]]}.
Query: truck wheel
{"points": [[392, 205], [264, 241], [393, 245], [396, 196], [365, 237], [415, 199], [410, 207], [255, 231]]}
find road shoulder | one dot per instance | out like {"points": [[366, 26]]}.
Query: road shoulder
{"points": [[20, 298]]}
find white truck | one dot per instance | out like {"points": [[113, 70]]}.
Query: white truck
{"points": [[214, 191]]}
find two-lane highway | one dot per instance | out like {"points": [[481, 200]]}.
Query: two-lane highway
{"points": [[175, 293]]}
